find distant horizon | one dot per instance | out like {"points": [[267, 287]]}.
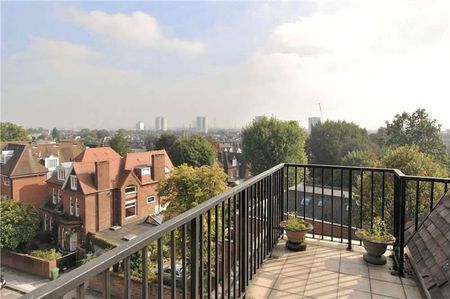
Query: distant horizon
{"points": [[111, 64]]}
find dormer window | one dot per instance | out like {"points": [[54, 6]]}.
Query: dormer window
{"points": [[146, 171], [5, 156], [73, 182], [130, 189], [51, 162], [234, 162], [61, 174], [6, 180]]}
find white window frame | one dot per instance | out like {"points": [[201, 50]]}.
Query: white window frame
{"points": [[59, 195], [130, 192], [51, 159], [50, 224], [73, 182], [71, 206], [77, 208], [6, 180], [146, 171], [61, 174], [152, 201], [53, 196], [130, 203]]}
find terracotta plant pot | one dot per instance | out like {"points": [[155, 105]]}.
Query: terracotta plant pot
{"points": [[375, 250], [296, 238]]}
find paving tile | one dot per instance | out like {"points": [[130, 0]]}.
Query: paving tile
{"points": [[272, 267], [408, 281], [358, 283], [299, 272], [376, 296], [412, 292], [354, 258], [387, 288], [257, 292], [383, 274], [354, 269], [344, 293], [324, 276], [320, 290], [331, 264], [264, 280], [291, 285], [275, 294]]}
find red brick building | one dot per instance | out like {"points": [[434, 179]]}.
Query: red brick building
{"points": [[25, 167], [100, 190]]}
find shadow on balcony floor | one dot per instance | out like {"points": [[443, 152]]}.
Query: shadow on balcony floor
{"points": [[327, 270]]}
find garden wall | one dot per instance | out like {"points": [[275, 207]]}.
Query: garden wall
{"points": [[27, 263]]}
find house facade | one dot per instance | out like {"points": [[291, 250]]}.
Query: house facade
{"points": [[101, 190], [25, 168]]}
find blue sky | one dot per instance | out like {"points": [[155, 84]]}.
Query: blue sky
{"points": [[110, 64]]}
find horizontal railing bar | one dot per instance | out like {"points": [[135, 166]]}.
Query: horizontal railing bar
{"points": [[327, 166], [426, 179], [68, 282]]}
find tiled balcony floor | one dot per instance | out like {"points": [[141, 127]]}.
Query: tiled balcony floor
{"points": [[327, 270]]}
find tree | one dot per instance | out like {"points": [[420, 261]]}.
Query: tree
{"points": [[12, 132], [189, 186], [165, 141], [268, 142], [19, 223], [359, 158], [330, 141], [193, 150], [56, 134], [417, 129], [120, 144], [149, 141]]}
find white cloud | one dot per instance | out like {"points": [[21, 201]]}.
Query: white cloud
{"points": [[137, 30]]}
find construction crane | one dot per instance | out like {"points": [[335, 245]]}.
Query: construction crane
{"points": [[321, 114]]}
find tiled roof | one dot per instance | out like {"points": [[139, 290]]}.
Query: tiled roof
{"points": [[430, 250], [132, 160], [85, 172], [27, 159], [98, 154]]}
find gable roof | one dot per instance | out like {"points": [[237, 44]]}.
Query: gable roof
{"points": [[27, 158], [98, 154], [131, 160], [429, 250]]}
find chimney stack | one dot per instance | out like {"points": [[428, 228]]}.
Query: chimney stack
{"points": [[158, 165], [102, 175]]}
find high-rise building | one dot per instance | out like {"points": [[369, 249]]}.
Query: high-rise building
{"points": [[140, 126], [160, 123], [312, 121], [202, 125]]}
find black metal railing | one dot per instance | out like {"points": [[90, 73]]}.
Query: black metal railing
{"points": [[217, 247]]}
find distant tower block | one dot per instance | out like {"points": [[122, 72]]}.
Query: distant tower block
{"points": [[140, 126], [312, 121], [160, 123], [202, 125]]}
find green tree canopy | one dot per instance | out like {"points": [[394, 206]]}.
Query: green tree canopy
{"points": [[19, 223], [189, 186], [330, 141], [165, 141], [56, 134], [12, 132], [359, 158], [417, 129], [193, 150], [269, 141], [120, 144]]}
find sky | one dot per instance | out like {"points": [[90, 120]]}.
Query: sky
{"points": [[111, 64]]}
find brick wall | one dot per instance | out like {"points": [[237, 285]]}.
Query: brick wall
{"points": [[27, 263], [30, 190], [105, 209]]}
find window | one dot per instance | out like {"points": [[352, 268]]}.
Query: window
{"points": [[6, 180], [53, 196], [130, 189], [45, 222], [130, 208], [50, 224], [320, 203], [5, 156], [146, 171], [59, 195], [73, 182], [71, 206], [51, 162], [166, 169], [61, 174], [77, 207], [150, 198]]}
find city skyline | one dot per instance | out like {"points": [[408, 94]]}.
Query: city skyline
{"points": [[108, 65]]}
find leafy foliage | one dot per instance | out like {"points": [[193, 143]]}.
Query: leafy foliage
{"points": [[377, 233], [49, 255], [331, 141], [359, 158], [187, 187], [293, 223], [56, 134], [193, 150], [268, 142], [417, 129], [19, 223], [120, 144], [165, 141], [12, 132]]}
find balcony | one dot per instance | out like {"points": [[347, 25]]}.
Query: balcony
{"points": [[225, 245]]}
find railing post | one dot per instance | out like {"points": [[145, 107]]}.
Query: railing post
{"points": [[243, 230], [402, 227], [194, 257], [349, 220], [282, 196]]}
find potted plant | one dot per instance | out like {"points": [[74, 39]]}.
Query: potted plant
{"points": [[296, 229], [375, 241]]}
